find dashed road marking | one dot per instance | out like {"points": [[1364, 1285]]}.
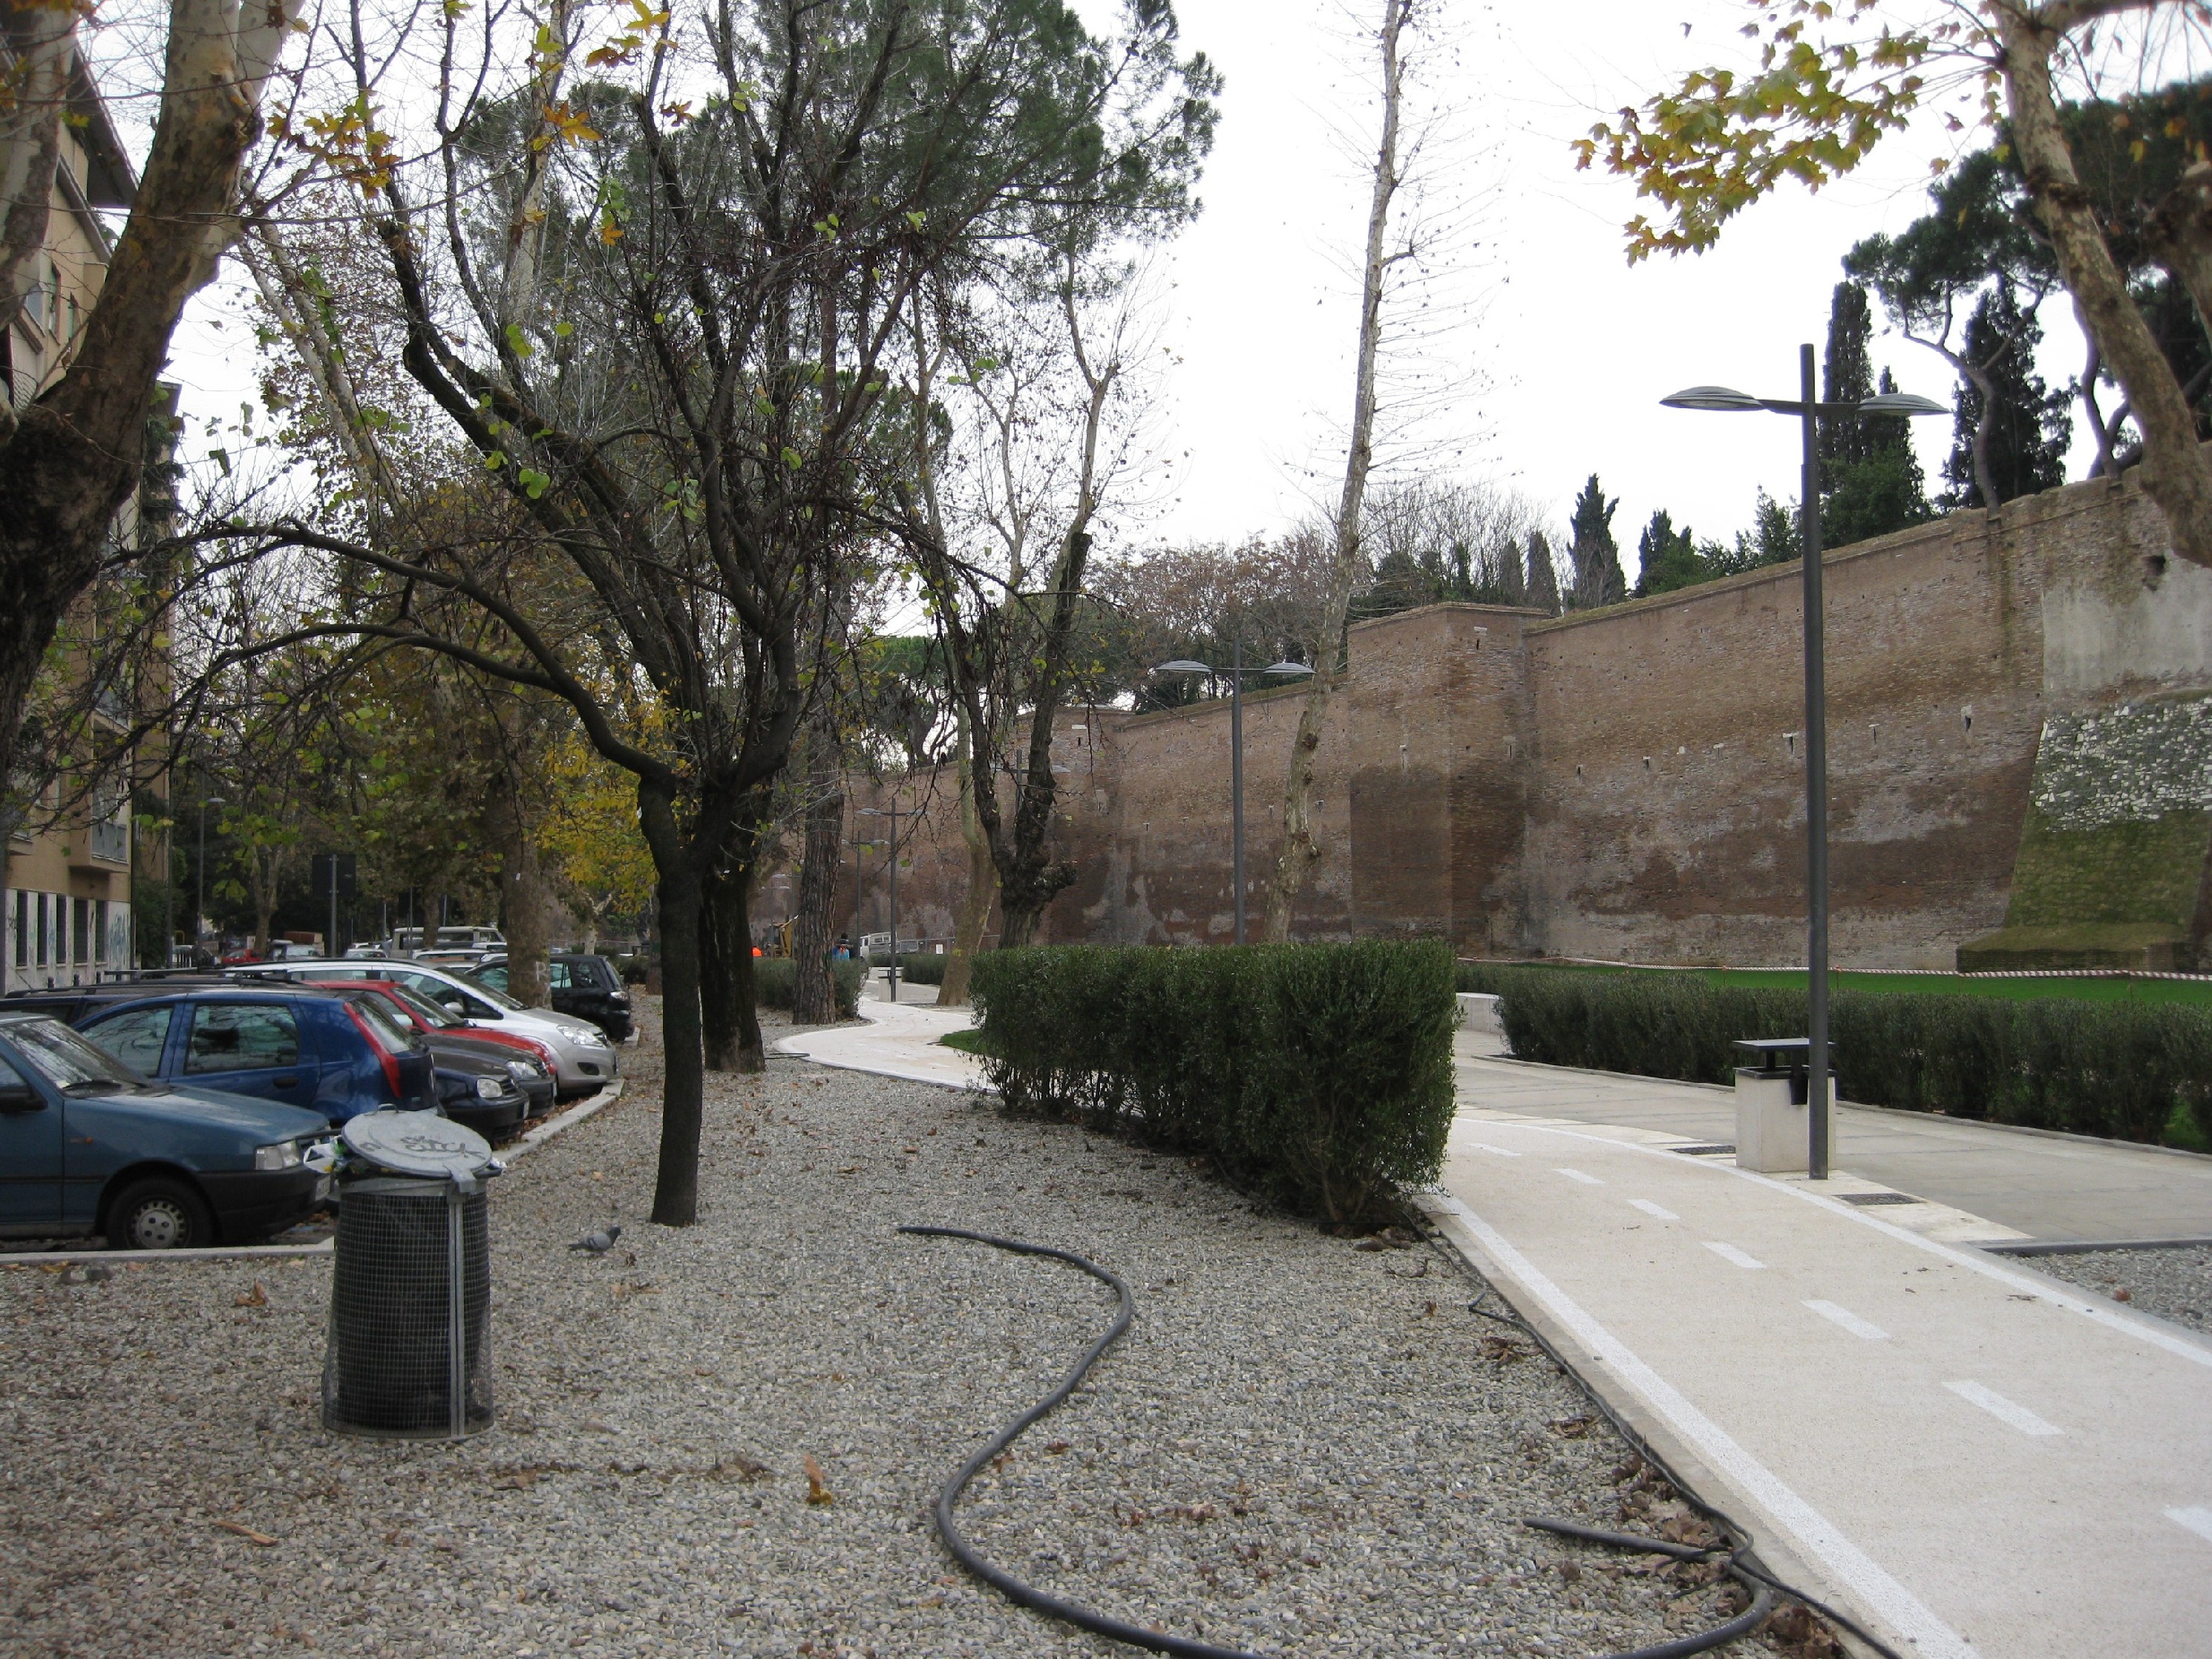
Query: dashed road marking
{"points": [[2002, 1409], [1484, 1146], [1850, 1321], [1730, 1252], [2197, 1518], [1577, 1174], [1659, 1211]]}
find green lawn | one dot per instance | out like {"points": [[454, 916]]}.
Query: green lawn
{"points": [[2197, 993], [970, 1042]]}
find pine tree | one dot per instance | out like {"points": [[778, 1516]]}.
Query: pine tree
{"points": [[2029, 426], [1598, 578], [1543, 580], [1666, 558]]}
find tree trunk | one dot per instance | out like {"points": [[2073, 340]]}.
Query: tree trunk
{"points": [[75, 457], [1300, 852], [814, 988], [683, 1090], [982, 889], [729, 1025], [523, 895], [2176, 475]]}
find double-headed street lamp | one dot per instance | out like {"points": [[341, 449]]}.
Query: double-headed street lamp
{"points": [[892, 812], [1235, 672], [1809, 410]]}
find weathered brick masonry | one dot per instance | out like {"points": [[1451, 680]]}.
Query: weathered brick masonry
{"points": [[1628, 783]]}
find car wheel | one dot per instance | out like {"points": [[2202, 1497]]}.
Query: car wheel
{"points": [[159, 1215]]}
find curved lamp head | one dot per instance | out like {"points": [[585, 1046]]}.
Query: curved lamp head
{"points": [[1724, 399], [1901, 403], [1182, 666], [1289, 671]]}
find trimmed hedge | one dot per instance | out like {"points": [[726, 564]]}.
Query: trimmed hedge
{"points": [[776, 978], [1320, 1073], [2132, 1071]]}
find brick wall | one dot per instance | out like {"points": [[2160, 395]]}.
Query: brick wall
{"points": [[1628, 783]]}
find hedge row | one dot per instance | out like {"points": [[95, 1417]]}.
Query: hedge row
{"points": [[2132, 1071], [1320, 1073], [775, 978]]}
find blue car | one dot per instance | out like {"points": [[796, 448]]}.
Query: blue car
{"points": [[335, 1055], [87, 1147]]}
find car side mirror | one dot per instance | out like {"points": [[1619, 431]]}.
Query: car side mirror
{"points": [[17, 1096], [452, 1005]]}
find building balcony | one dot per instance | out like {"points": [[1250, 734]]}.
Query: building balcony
{"points": [[103, 847]]}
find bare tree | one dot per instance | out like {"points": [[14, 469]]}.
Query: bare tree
{"points": [[1299, 850], [72, 459]]}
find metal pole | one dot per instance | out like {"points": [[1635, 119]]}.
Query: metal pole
{"points": [[894, 818], [1816, 791], [331, 939], [199, 885], [1237, 777]]}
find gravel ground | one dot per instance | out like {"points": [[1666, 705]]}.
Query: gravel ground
{"points": [[1301, 1447], [2174, 1284]]}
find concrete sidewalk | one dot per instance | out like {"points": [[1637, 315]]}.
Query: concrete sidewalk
{"points": [[1973, 1458], [2029, 1185], [897, 1039]]}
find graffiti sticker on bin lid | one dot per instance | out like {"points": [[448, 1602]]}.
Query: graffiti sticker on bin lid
{"points": [[420, 1144]]}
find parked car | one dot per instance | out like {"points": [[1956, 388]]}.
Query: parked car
{"points": [[409, 939], [584, 986], [529, 1063], [585, 1060], [460, 959], [87, 1147], [335, 1055]]}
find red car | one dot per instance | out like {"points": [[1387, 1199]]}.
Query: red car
{"points": [[534, 1067]]}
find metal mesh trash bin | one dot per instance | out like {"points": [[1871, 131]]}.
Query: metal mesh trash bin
{"points": [[410, 1292]]}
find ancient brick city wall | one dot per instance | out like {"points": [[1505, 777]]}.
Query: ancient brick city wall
{"points": [[1628, 783]]}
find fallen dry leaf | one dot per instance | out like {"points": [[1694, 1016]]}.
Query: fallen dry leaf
{"points": [[816, 1491], [244, 1531], [2121, 1295], [256, 1297]]}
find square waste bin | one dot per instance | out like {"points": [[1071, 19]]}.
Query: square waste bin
{"points": [[1772, 1116]]}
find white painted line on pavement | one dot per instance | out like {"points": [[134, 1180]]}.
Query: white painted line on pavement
{"points": [[1730, 1252], [2198, 1519], [1651, 1209], [2001, 1408], [1882, 1594], [1484, 1146], [2181, 1345], [1850, 1321], [1577, 1174]]}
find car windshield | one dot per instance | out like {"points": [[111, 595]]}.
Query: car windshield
{"points": [[431, 1014], [67, 1060], [490, 993], [397, 1037]]}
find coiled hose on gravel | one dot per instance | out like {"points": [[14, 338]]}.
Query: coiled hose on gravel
{"points": [[1737, 1559]]}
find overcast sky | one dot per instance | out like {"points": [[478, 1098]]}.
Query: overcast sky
{"points": [[1559, 350]]}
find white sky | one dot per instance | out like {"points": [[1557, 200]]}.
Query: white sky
{"points": [[1564, 350]]}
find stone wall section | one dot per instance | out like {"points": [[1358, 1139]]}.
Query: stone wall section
{"points": [[1628, 783]]}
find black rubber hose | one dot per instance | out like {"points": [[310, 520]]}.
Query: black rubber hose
{"points": [[1160, 1641]]}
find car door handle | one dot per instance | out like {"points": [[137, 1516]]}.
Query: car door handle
{"points": [[291, 1081]]}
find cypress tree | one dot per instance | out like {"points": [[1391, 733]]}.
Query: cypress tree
{"points": [[1543, 580], [2029, 425], [1870, 480], [1598, 578], [1666, 558]]}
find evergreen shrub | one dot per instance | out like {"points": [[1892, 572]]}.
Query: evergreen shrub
{"points": [[922, 967], [2129, 1071], [1320, 1073], [775, 981]]}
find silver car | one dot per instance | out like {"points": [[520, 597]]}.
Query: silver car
{"points": [[586, 1061]]}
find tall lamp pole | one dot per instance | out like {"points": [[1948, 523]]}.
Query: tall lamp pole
{"points": [[199, 872], [1807, 407], [892, 813], [1235, 672]]}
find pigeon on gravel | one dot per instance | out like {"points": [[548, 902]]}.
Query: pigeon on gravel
{"points": [[597, 1243]]}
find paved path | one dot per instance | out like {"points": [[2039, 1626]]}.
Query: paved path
{"points": [[2031, 1186], [896, 1039], [1974, 1457]]}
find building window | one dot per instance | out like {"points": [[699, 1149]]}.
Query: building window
{"points": [[100, 929], [22, 929], [81, 933], [42, 930]]}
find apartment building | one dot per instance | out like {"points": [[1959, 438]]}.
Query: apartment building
{"points": [[69, 852]]}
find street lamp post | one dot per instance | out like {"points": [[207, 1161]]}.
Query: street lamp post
{"points": [[199, 872], [892, 813], [1809, 410], [1236, 672]]}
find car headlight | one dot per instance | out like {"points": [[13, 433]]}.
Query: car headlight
{"points": [[285, 1155], [490, 1088], [525, 1071], [594, 1038]]}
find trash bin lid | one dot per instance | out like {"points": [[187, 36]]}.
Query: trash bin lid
{"points": [[418, 1144]]}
